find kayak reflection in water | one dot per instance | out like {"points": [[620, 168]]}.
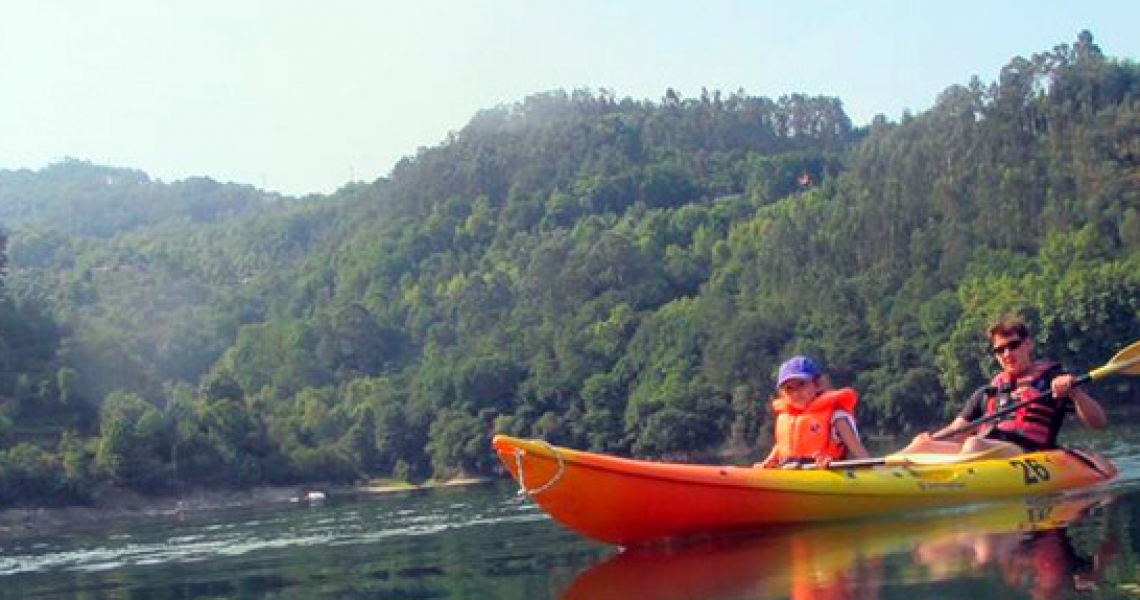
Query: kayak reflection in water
{"points": [[1045, 563], [1025, 541]]}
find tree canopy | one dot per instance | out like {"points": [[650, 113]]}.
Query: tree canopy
{"points": [[606, 273]]}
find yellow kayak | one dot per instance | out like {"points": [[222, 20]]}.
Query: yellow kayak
{"points": [[625, 501]]}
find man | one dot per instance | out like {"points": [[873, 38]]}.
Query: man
{"points": [[1032, 427]]}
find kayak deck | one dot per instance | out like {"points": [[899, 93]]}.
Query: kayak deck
{"points": [[626, 501]]}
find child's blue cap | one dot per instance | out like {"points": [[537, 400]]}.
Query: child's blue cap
{"points": [[797, 367]]}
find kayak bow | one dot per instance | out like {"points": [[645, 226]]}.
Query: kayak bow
{"points": [[626, 501]]}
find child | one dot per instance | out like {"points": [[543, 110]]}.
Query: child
{"points": [[813, 424]]}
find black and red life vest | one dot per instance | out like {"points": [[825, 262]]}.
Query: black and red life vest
{"points": [[1036, 422]]}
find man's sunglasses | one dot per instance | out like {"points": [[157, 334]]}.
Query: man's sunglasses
{"points": [[1011, 345]]}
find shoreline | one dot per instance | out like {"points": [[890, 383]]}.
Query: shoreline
{"points": [[124, 505], [390, 487]]}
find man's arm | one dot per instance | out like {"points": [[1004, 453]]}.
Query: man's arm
{"points": [[1088, 409]]}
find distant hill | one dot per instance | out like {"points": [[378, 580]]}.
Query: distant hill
{"points": [[77, 197], [601, 272]]}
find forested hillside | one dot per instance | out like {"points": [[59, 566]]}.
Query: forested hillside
{"points": [[604, 273]]}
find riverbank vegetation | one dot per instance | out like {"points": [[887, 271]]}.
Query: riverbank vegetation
{"points": [[605, 273]]}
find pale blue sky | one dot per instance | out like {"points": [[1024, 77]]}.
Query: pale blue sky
{"points": [[302, 96]]}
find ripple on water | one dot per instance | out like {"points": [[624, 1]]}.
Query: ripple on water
{"points": [[186, 542]]}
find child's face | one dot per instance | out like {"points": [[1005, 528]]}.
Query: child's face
{"points": [[799, 391]]}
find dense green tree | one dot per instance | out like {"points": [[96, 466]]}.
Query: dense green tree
{"points": [[607, 273], [132, 437]]}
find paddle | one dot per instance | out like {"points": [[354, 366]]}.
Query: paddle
{"points": [[1126, 362]]}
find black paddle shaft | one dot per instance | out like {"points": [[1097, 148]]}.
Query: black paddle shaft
{"points": [[997, 415], [994, 416]]}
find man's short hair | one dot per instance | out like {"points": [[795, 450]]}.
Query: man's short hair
{"points": [[1010, 326]]}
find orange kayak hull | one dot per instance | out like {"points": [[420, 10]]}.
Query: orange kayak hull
{"points": [[626, 501]]}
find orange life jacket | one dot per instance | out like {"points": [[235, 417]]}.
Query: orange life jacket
{"points": [[802, 433], [1037, 421]]}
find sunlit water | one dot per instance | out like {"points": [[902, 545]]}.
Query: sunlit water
{"points": [[481, 542]]}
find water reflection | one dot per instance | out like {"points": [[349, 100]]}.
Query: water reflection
{"points": [[481, 543], [447, 543], [1022, 546], [1045, 563]]}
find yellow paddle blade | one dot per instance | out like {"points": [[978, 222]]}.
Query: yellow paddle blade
{"points": [[1127, 361], [941, 458]]}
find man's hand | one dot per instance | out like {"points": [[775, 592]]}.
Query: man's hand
{"points": [[1062, 384]]}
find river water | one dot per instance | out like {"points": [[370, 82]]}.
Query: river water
{"points": [[482, 542]]}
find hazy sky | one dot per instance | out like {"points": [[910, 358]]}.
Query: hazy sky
{"points": [[303, 96]]}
